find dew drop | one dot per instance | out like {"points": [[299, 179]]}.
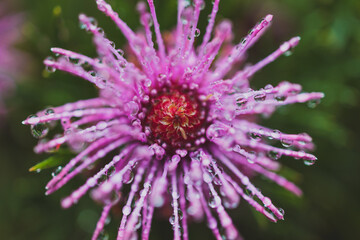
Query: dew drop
{"points": [[280, 98], [110, 171], [255, 136], [286, 142], [93, 21], [274, 155], [288, 53], [138, 224], [39, 130], [172, 219], [128, 177], [207, 177], [309, 162], [180, 214], [276, 134], [50, 69], [82, 26], [214, 201], [266, 201], [49, 111], [268, 87], [103, 236], [197, 32], [260, 97], [282, 212], [112, 44], [107, 220], [241, 101], [74, 60], [101, 31], [313, 103], [126, 210], [120, 52], [56, 172], [217, 181], [243, 41]]}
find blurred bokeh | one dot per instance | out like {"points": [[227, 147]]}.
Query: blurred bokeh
{"points": [[327, 59]]}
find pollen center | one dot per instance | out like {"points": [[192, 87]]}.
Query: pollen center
{"points": [[174, 118]]}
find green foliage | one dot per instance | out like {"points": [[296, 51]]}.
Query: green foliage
{"points": [[59, 158]]}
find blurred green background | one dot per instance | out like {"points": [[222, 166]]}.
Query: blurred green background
{"points": [[327, 59]]}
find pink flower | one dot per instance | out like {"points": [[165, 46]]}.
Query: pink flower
{"points": [[179, 120], [10, 59]]}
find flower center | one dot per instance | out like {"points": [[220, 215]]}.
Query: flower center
{"points": [[174, 118]]}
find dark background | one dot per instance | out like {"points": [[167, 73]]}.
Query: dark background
{"points": [[327, 59]]}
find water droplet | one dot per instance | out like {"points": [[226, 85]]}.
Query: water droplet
{"points": [[161, 77], [101, 31], [180, 214], [260, 97], [276, 134], [241, 101], [133, 108], [274, 155], [103, 236], [56, 172], [280, 98], [255, 136], [282, 212], [138, 224], [207, 177], [197, 32], [49, 111], [217, 181], [93, 21], [313, 103], [309, 162], [128, 177], [112, 44], [82, 26], [250, 31], [110, 171], [39, 130], [172, 219], [288, 53], [50, 69], [266, 201], [243, 41], [74, 60], [126, 210], [122, 64], [102, 179], [107, 220], [114, 197], [214, 201], [286, 142], [268, 87]]}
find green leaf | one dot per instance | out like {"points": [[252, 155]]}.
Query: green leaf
{"points": [[52, 161]]}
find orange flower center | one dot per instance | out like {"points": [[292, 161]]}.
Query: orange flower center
{"points": [[174, 118]]}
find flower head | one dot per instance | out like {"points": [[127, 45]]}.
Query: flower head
{"points": [[179, 120]]}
